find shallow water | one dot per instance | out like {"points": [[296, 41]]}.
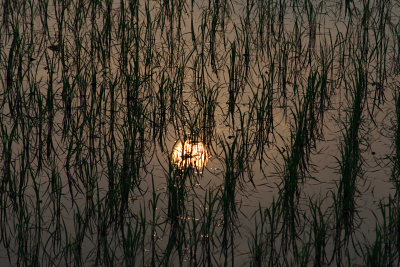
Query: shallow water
{"points": [[87, 176]]}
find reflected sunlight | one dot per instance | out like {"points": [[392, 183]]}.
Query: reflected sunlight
{"points": [[189, 154]]}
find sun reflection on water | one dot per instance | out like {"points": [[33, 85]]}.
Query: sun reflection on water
{"points": [[190, 154]]}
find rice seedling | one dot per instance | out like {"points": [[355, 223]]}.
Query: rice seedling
{"points": [[320, 232], [383, 251], [350, 165], [264, 241], [264, 110], [148, 132], [396, 163]]}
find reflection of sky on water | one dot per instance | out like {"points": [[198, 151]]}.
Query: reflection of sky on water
{"points": [[194, 155]]}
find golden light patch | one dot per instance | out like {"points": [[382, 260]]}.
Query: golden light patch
{"points": [[190, 154]]}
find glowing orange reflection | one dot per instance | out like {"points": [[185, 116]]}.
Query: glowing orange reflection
{"points": [[190, 154]]}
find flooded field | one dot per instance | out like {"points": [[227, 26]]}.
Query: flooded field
{"points": [[199, 133]]}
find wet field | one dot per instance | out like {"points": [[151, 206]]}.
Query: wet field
{"points": [[199, 133]]}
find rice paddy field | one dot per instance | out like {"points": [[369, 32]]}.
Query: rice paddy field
{"points": [[199, 133]]}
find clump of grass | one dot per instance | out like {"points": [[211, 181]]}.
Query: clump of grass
{"points": [[296, 157], [235, 153], [384, 251], [264, 244], [350, 165], [233, 88], [396, 158], [320, 228], [264, 112]]}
